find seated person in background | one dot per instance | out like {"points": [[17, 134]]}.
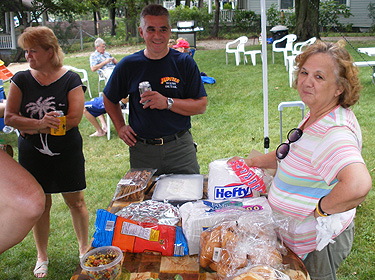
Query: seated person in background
{"points": [[182, 45], [100, 59], [95, 109], [171, 43]]}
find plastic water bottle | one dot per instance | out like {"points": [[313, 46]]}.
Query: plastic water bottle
{"points": [[8, 129]]}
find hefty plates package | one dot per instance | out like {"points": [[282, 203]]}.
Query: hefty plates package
{"points": [[200, 215], [224, 184], [138, 237]]}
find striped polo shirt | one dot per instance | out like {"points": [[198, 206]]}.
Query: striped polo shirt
{"points": [[309, 172]]}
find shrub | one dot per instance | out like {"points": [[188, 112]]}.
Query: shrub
{"points": [[200, 16], [227, 6], [247, 21]]}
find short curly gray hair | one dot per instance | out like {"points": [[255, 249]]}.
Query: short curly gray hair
{"points": [[99, 42]]}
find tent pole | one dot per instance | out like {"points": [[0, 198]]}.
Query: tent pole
{"points": [[265, 74]]}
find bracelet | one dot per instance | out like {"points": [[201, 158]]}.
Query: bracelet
{"points": [[319, 209], [320, 214]]}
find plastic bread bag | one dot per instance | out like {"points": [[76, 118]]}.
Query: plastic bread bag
{"points": [[132, 184], [200, 215], [152, 212], [239, 244], [228, 182], [263, 272]]}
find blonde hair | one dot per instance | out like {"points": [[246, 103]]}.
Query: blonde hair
{"points": [[345, 71], [45, 38]]}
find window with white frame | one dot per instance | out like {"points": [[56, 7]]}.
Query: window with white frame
{"points": [[345, 2]]}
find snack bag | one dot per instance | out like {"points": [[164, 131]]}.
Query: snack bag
{"points": [[138, 237]]}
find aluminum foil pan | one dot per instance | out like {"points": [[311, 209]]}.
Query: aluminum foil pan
{"points": [[151, 211]]}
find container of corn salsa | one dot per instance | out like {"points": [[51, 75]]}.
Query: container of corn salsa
{"points": [[103, 263]]}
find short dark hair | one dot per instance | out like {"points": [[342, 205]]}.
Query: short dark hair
{"points": [[154, 10]]}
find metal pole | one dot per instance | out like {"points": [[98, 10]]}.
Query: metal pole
{"points": [[80, 35], [265, 74]]}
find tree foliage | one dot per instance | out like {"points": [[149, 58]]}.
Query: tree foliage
{"points": [[201, 17], [330, 12], [247, 21], [277, 17], [371, 9]]}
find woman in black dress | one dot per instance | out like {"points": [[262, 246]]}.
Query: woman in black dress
{"points": [[57, 162]]}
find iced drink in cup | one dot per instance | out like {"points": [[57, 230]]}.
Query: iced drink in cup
{"points": [[144, 86]]}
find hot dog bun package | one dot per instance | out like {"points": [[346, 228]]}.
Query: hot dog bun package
{"points": [[199, 215], [138, 237], [235, 180], [233, 247]]}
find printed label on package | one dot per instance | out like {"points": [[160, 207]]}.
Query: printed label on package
{"points": [[232, 191], [135, 230]]}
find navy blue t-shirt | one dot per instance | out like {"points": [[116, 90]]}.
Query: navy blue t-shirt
{"points": [[176, 75]]}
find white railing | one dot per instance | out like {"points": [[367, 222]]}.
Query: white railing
{"points": [[227, 15], [5, 41]]}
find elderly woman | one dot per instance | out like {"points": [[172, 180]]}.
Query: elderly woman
{"points": [[57, 162], [320, 170]]}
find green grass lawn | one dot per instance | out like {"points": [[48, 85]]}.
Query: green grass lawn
{"points": [[232, 125]]}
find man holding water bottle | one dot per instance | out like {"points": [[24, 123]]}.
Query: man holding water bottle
{"points": [[158, 134]]}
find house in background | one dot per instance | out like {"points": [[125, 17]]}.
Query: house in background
{"points": [[358, 8]]}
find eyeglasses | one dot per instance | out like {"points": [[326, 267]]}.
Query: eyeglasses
{"points": [[283, 149]]}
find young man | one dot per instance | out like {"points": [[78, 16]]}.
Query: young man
{"points": [[158, 133]]}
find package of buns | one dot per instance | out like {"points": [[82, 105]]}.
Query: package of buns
{"points": [[199, 215], [232, 247], [132, 185]]}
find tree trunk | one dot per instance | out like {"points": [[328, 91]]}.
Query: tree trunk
{"points": [[200, 4], [215, 29], [187, 3], [307, 19], [113, 19], [96, 31]]}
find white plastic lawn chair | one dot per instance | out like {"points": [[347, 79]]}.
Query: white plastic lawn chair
{"points": [[125, 113], [104, 76], [84, 76], [298, 47], [290, 38], [240, 47]]}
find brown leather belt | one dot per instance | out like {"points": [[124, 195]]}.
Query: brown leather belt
{"points": [[162, 140]]}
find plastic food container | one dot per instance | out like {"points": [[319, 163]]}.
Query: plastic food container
{"points": [[103, 263], [178, 187]]}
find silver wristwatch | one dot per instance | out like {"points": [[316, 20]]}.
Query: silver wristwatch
{"points": [[170, 103]]}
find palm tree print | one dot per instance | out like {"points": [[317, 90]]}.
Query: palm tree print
{"points": [[39, 109]]}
